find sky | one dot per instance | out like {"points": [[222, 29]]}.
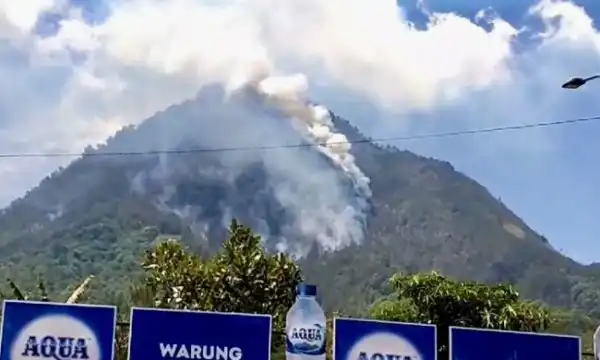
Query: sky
{"points": [[76, 71]]}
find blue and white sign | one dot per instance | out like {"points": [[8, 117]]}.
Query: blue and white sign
{"points": [[42, 330], [180, 334], [477, 344], [356, 339]]}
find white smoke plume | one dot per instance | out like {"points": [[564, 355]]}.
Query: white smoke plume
{"points": [[320, 205], [287, 94], [84, 78]]}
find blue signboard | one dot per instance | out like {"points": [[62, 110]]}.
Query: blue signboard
{"points": [[181, 334], [477, 344], [57, 331], [357, 339]]}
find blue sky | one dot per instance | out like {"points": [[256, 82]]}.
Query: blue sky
{"points": [[76, 72], [559, 196]]}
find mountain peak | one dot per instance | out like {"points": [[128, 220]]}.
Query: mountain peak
{"points": [[101, 212]]}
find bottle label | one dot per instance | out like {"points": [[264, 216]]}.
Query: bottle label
{"points": [[308, 339]]}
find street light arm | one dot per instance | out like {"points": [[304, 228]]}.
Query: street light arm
{"points": [[577, 82]]}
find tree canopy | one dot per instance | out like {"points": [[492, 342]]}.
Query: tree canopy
{"points": [[243, 277], [435, 299]]}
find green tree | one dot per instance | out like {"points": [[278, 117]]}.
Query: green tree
{"points": [[435, 299], [176, 278], [248, 279], [241, 277]]}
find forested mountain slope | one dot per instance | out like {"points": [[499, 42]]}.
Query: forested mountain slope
{"points": [[100, 213]]}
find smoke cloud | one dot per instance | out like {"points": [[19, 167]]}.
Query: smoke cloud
{"points": [[323, 202], [286, 93], [73, 76]]}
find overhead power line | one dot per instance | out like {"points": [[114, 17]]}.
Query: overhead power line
{"points": [[301, 145]]}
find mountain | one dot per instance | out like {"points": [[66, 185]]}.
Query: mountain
{"points": [[100, 213]]}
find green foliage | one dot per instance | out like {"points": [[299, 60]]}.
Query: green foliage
{"points": [[177, 278], [435, 299], [85, 219], [41, 294], [241, 277], [247, 279], [402, 310], [574, 323]]}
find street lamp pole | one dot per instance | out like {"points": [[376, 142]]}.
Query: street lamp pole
{"points": [[578, 82]]}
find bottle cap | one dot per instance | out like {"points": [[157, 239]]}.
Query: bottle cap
{"points": [[306, 290]]}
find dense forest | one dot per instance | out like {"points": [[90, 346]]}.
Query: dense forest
{"points": [[101, 214], [242, 277]]}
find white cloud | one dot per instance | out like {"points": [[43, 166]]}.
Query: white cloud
{"points": [[20, 17], [366, 45], [149, 54]]}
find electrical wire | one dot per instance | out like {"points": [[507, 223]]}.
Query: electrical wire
{"points": [[301, 145]]}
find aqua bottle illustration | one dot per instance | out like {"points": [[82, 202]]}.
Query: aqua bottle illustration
{"points": [[305, 326]]}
